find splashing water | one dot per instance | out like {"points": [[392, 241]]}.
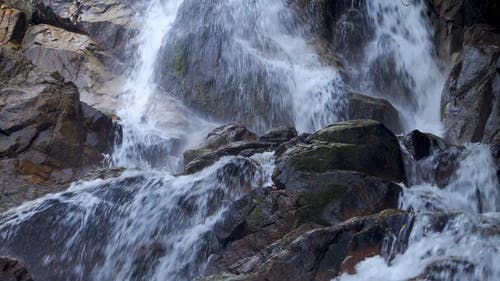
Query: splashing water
{"points": [[456, 235], [147, 142], [139, 226]]}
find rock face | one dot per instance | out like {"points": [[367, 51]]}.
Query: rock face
{"points": [[452, 17], [470, 102], [45, 129], [268, 233], [13, 24], [13, 270], [322, 253], [75, 56]]}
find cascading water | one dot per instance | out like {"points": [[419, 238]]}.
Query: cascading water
{"points": [[148, 142], [455, 235], [400, 64], [150, 225]]}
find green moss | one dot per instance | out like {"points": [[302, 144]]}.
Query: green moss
{"points": [[180, 61], [320, 158]]}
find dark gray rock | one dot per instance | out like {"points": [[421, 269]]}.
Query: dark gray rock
{"points": [[470, 102]]}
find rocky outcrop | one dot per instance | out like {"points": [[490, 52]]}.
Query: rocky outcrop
{"points": [[77, 58], [452, 18], [267, 221], [48, 135], [470, 102], [13, 270], [322, 253]]}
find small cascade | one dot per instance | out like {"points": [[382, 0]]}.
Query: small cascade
{"points": [[147, 141], [400, 64], [455, 234], [139, 226]]}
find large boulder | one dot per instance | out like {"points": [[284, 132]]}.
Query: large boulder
{"points": [[360, 106], [364, 146], [470, 101]]}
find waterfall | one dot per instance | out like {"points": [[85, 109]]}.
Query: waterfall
{"points": [[151, 223], [400, 64]]}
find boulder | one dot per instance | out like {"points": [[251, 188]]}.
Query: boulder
{"points": [[421, 145], [360, 106], [13, 25], [470, 101], [13, 270], [430, 159], [364, 146]]}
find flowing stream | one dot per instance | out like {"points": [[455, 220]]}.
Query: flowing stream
{"points": [[150, 224]]}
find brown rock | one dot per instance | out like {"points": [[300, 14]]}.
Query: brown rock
{"points": [[13, 25]]}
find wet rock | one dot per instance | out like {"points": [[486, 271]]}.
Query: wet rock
{"points": [[447, 269], [470, 102], [421, 145], [361, 145], [430, 159], [233, 140], [279, 135], [452, 17], [13, 270], [323, 253], [13, 25], [365, 107], [212, 72]]}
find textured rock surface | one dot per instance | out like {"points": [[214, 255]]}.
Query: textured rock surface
{"points": [[361, 145], [233, 140], [470, 102], [77, 58], [13, 24], [322, 253], [364, 107], [47, 133]]}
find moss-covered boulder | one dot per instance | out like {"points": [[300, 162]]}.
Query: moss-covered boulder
{"points": [[364, 146]]}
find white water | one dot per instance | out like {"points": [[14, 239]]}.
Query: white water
{"points": [[160, 226], [470, 237], [403, 33], [156, 126]]}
